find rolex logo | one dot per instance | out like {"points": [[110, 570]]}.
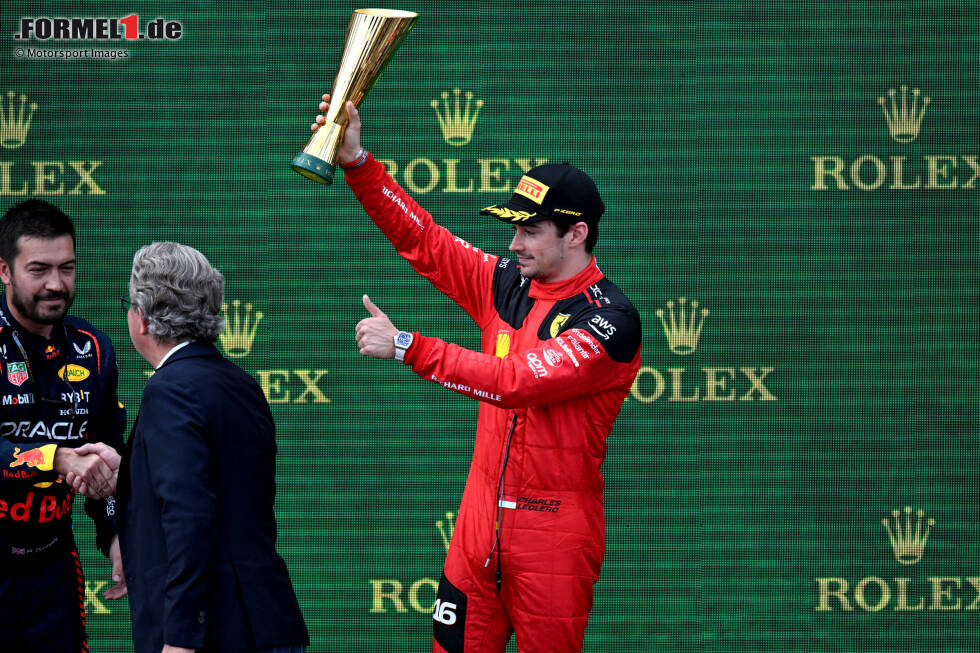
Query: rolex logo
{"points": [[15, 120], [908, 545], [683, 330], [904, 116], [446, 529], [457, 121], [239, 332]]}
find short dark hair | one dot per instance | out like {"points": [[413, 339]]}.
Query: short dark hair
{"points": [[35, 218], [562, 228]]}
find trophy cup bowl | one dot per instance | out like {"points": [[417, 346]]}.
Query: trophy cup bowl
{"points": [[373, 36]]}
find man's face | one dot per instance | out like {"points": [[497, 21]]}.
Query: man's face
{"points": [[540, 250], [40, 281]]}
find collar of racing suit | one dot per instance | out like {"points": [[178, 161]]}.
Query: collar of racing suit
{"points": [[567, 287]]}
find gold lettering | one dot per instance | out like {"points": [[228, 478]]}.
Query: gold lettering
{"points": [[409, 176], [886, 593], [5, 177], [85, 177], [391, 167], [271, 383], [676, 374], [940, 592], [712, 383], [975, 166], [311, 388], [902, 597], [757, 384], [44, 171], [379, 595], [92, 599], [820, 172], [413, 595], [899, 183], [659, 385], [882, 172], [935, 171], [823, 604], [975, 582], [490, 170], [451, 186]]}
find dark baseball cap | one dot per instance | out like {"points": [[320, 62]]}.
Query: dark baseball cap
{"points": [[553, 191]]}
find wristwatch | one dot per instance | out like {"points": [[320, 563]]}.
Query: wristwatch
{"points": [[403, 340]]}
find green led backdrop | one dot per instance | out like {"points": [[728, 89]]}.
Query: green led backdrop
{"points": [[748, 164]]}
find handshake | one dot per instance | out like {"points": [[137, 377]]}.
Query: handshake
{"points": [[91, 469]]}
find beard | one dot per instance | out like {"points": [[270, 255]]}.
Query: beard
{"points": [[31, 308]]}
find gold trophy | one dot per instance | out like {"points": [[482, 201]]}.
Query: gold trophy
{"points": [[372, 38]]}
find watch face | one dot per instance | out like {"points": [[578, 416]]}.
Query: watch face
{"points": [[404, 339]]}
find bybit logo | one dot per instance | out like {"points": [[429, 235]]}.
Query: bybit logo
{"points": [[457, 122], [904, 115], [15, 121], [38, 178], [387, 592], [457, 114], [682, 324], [908, 538], [239, 332]]}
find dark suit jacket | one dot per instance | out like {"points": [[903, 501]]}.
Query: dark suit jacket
{"points": [[197, 531]]}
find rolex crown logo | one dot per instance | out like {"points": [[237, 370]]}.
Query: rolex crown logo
{"points": [[683, 330], [904, 117], [446, 529], [458, 121], [15, 120], [908, 545], [239, 332]]}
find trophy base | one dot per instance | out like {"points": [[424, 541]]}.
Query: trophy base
{"points": [[313, 168]]}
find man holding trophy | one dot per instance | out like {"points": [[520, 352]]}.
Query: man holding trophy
{"points": [[561, 348]]}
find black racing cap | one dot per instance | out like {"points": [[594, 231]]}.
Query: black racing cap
{"points": [[553, 191]]}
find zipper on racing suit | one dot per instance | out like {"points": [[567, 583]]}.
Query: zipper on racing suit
{"points": [[500, 497]]}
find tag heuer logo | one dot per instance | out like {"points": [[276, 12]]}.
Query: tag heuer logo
{"points": [[17, 373]]}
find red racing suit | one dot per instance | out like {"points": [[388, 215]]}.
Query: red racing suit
{"points": [[557, 362]]}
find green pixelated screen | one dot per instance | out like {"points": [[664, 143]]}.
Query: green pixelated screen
{"points": [[792, 205]]}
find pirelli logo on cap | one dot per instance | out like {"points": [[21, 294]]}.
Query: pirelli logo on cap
{"points": [[532, 189]]}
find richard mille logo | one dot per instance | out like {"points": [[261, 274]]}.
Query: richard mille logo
{"points": [[904, 110], [42, 177], [390, 594], [683, 322], [908, 534]]}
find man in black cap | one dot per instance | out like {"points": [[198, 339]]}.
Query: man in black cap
{"points": [[561, 348]]}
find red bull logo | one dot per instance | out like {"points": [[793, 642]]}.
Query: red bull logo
{"points": [[51, 352], [31, 457], [17, 373]]}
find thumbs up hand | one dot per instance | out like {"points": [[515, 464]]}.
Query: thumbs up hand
{"points": [[376, 334]]}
